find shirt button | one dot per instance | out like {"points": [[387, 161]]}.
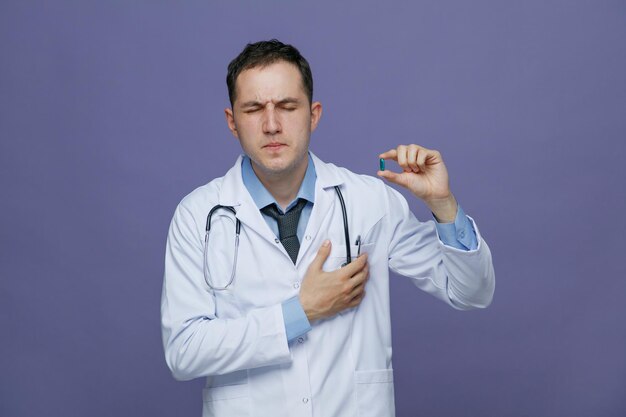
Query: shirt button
{"points": [[461, 235], [308, 237], [276, 240], [296, 285], [305, 400], [301, 340]]}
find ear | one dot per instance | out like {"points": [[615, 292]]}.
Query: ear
{"points": [[230, 121], [316, 114]]}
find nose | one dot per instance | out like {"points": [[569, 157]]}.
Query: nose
{"points": [[271, 124]]}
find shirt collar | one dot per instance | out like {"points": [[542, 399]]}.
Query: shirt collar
{"points": [[262, 197]]}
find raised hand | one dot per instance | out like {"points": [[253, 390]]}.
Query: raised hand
{"points": [[425, 175]]}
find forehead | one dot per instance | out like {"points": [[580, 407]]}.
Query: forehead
{"points": [[271, 82]]}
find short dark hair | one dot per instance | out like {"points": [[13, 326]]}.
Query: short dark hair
{"points": [[264, 53]]}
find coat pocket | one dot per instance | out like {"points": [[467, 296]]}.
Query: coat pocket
{"points": [[374, 393], [227, 400], [338, 255]]}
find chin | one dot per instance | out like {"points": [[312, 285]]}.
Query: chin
{"points": [[277, 165], [271, 166]]}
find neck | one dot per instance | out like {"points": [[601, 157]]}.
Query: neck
{"points": [[283, 187]]}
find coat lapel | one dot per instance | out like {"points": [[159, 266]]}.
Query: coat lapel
{"points": [[328, 177]]}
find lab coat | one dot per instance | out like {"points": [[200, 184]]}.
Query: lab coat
{"points": [[236, 338]]}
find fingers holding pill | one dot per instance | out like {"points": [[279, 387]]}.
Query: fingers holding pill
{"points": [[423, 171]]}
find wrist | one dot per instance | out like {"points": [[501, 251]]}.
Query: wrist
{"points": [[444, 209], [308, 311]]}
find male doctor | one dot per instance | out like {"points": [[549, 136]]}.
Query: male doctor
{"points": [[296, 331]]}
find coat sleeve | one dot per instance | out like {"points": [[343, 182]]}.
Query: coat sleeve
{"points": [[463, 279], [196, 341]]}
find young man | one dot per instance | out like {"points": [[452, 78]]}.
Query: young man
{"points": [[280, 323]]}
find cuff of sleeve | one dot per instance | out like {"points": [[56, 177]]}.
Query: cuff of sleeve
{"points": [[460, 234], [296, 322]]}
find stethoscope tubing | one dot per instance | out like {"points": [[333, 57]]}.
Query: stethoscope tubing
{"points": [[345, 224], [205, 267]]}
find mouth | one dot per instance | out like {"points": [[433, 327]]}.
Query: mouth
{"points": [[274, 146]]}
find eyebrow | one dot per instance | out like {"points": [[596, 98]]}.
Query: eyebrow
{"points": [[254, 103]]}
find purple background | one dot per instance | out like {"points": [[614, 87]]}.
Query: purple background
{"points": [[111, 112]]}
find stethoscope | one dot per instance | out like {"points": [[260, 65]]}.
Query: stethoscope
{"points": [[205, 268]]}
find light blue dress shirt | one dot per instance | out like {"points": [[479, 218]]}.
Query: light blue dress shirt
{"points": [[459, 235]]}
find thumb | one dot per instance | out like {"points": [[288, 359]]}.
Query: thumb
{"points": [[392, 177], [322, 255]]}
